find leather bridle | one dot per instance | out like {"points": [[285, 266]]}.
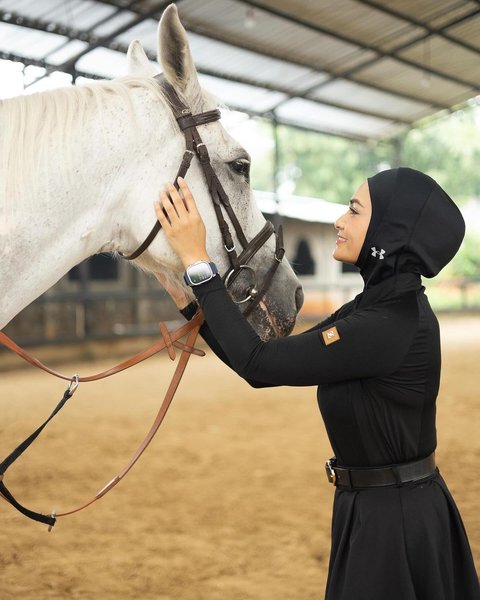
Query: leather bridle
{"points": [[188, 124]]}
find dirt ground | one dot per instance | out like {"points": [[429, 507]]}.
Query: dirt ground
{"points": [[230, 502]]}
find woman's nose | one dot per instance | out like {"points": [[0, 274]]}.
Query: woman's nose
{"points": [[339, 223]]}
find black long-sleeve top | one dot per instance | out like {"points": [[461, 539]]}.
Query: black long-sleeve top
{"points": [[377, 380]]}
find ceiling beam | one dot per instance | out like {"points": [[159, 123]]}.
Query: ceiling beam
{"points": [[38, 62]]}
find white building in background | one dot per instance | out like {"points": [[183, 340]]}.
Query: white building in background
{"points": [[309, 236]]}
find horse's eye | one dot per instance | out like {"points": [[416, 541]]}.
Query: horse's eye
{"points": [[241, 166]]}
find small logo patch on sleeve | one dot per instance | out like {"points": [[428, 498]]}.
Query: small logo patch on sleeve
{"points": [[330, 336]]}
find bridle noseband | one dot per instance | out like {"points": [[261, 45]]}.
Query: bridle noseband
{"points": [[188, 124]]}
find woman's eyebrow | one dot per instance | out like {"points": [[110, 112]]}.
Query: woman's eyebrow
{"points": [[356, 201]]}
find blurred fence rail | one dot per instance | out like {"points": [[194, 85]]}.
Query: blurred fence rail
{"points": [[89, 314]]}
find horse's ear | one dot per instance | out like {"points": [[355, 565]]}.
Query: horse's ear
{"points": [[137, 61], [175, 57]]}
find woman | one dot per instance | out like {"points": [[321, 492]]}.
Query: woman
{"points": [[396, 533]]}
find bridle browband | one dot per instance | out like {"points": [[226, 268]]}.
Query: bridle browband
{"points": [[194, 146], [188, 124]]}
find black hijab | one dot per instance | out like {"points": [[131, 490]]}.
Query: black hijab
{"points": [[415, 227]]}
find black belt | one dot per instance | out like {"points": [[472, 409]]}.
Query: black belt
{"points": [[354, 478]]}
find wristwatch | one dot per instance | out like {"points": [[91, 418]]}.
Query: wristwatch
{"points": [[200, 272]]}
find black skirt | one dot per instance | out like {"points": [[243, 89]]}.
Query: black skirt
{"points": [[400, 543]]}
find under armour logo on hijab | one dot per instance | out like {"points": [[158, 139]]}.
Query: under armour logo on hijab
{"points": [[378, 253]]}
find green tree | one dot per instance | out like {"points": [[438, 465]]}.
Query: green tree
{"points": [[331, 168]]}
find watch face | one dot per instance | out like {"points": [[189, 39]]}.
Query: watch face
{"points": [[199, 273]]}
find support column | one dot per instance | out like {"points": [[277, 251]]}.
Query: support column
{"points": [[276, 218]]}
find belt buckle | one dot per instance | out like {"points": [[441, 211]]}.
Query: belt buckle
{"points": [[331, 475]]}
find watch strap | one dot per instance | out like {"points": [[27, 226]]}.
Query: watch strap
{"points": [[213, 269]]}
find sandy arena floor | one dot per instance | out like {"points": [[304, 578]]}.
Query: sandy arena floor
{"points": [[230, 502]]}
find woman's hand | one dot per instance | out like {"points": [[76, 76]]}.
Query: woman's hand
{"points": [[182, 223]]}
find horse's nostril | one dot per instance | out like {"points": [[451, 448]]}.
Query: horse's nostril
{"points": [[299, 298]]}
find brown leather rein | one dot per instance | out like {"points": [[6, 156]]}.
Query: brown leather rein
{"points": [[169, 341], [239, 262]]}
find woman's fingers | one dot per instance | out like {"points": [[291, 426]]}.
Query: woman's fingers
{"points": [[190, 204], [161, 210], [170, 206], [182, 223], [177, 200], [178, 205]]}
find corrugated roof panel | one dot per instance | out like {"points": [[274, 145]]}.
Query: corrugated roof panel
{"points": [[114, 23], [444, 56], [334, 120], [235, 62], [351, 19], [66, 52], [29, 42], [272, 34], [82, 15], [452, 11], [397, 77], [433, 12], [231, 61], [145, 32], [35, 9], [240, 96], [104, 62], [467, 31], [361, 97], [78, 14]]}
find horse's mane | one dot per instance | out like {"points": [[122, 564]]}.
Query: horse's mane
{"points": [[31, 122], [35, 126]]}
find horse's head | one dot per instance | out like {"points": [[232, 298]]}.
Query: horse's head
{"points": [[275, 313]]}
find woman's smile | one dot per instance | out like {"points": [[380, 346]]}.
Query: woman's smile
{"points": [[352, 226]]}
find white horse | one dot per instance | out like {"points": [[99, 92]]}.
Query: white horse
{"points": [[81, 167]]}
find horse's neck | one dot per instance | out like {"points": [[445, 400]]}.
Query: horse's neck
{"points": [[42, 245], [61, 224]]}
